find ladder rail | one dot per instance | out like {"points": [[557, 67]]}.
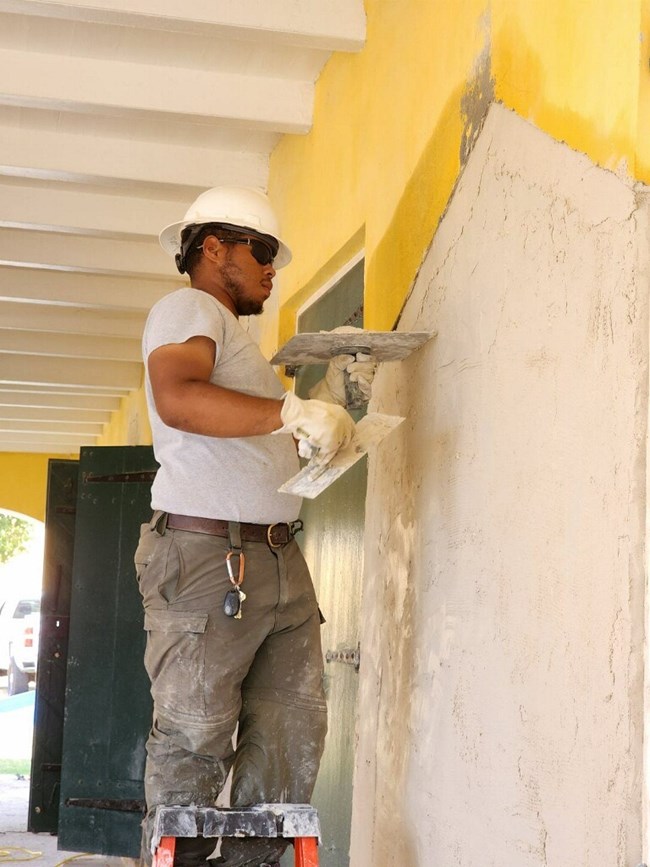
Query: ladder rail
{"points": [[306, 852], [164, 853]]}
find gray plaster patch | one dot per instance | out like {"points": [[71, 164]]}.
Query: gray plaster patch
{"points": [[476, 100]]}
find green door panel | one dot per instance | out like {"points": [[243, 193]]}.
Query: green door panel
{"points": [[45, 778], [108, 705], [332, 543]]}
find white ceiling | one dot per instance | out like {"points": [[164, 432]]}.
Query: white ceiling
{"points": [[114, 115]]}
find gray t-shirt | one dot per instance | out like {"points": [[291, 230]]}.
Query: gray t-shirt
{"points": [[218, 477]]}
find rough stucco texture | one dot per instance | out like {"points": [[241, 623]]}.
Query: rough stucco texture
{"points": [[502, 648]]}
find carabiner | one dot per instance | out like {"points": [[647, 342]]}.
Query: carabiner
{"points": [[242, 560]]}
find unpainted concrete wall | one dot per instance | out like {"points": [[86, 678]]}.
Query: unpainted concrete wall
{"points": [[501, 693]]}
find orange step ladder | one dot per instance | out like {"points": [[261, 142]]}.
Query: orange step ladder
{"points": [[298, 822]]}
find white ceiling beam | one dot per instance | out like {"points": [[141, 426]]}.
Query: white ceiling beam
{"points": [[11, 398], [93, 212], [98, 86], [55, 415], [51, 427], [25, 248], [68, 320], [52, 154], [72, 288], [213, 137], [34, 443], [70, 346], [335, 25], [120, 376]]}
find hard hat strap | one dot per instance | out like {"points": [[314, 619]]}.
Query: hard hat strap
{"points": [[188, 237]]}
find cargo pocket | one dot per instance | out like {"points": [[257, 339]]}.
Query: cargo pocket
{"points": [[175, 660]]}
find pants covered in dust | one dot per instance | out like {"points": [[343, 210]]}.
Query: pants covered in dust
{"points": [[211, 673]]}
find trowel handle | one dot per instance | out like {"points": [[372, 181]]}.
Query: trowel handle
{"points": [[354, 397]]}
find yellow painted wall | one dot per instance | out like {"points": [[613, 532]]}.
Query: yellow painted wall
{"points": [[376, 114], [23, 482], [643, 112], [23, 476], [130, 424], [391, 124], [572, 67]]}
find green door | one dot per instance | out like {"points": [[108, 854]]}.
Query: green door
{"points": [[332, 543], [108, 706], [45, 778]]}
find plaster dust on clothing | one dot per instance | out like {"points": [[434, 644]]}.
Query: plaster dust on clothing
{"points": [[370, 431]]}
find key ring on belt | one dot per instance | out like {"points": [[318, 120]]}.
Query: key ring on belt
{"points": [[242, 562]]}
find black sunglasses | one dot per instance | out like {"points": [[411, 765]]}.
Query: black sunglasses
{"points": [[261, 252]]}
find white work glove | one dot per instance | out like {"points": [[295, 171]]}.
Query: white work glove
{"points": [[320, 428], [361, 370]]}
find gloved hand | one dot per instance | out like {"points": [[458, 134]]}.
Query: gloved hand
{"points": [[361, 370], [321, 428]]}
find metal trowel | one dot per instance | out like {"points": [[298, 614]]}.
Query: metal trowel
{"points": [[320, 347]]}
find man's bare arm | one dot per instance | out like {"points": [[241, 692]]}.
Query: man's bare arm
{"points": [[187, 400]]}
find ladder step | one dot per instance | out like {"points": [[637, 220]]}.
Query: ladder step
{"points": [[296, 821]]}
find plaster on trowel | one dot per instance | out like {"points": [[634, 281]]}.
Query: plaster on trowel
{"points": [[321, 347]]}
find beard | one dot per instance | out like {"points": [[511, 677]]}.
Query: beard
{"points": [[235, 286]]}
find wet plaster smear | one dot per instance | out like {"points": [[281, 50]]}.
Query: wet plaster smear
{"points": [[501, 680]]}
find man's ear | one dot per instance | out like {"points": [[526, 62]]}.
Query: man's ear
{"points": [[212, 247]]}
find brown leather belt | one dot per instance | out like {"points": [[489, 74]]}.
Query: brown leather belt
{"points": [[275, 535]]}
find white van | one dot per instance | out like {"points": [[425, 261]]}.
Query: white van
{"points": [[19, 629]]}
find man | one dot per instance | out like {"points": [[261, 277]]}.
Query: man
{"points": [[230, 611]]}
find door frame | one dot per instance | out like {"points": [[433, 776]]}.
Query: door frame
{"points": [[338, 766], [325, 287]]}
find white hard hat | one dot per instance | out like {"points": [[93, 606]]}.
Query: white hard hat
{"points": [[241, 207]]}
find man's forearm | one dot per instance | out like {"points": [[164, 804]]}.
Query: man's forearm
{"points": [[210, 410]]}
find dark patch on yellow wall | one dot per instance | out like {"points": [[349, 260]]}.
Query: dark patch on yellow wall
{"points": [[474, 104], [426, 196], [391, 272]]}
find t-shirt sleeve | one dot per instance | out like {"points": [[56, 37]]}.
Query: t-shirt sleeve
{"points": [[181, 315]]}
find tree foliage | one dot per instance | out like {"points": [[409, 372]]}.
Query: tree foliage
{"points": [[15, 534]]}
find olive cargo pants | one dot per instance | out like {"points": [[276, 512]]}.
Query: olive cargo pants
{"points": [[211, 673]]}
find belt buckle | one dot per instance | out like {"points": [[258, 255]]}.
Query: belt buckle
{"points": [[269, 535]]}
